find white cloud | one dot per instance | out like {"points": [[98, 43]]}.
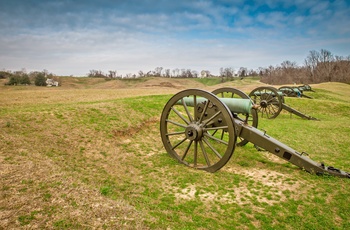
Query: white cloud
{"points": [[184, 34], [319, 8]]}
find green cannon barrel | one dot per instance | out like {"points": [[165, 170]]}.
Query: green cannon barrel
{"points": [[296, 90], [235, 105], [258, 93]]}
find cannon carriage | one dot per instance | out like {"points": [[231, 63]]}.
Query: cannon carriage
{"points": [[200, 130]]}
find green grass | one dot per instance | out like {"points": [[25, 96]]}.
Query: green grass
{"points": [[100, 163], [209, 81], [236, 81]]}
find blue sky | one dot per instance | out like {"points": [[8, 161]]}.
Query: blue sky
{"points": [[72, 37]]}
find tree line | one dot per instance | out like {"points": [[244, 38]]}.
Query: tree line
{"points": [[23, 78], [225, 73], [319, 66]]}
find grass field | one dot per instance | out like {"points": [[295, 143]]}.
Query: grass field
{"points": [[88, 155]]}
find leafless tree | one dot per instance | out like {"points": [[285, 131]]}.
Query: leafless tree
{"points": [[158, 71], [321, 65], [176, 72], [167, 73], [326, 64], [141, 73], [96, 73], [112, 74], [130, 75], [341, 70], [205, 73], [242, 72], [252, 73], [194, 74], [227, 73]]}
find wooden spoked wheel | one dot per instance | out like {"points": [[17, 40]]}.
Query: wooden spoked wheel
{"points": [[198, 130], [251, 119], [269, 101]]}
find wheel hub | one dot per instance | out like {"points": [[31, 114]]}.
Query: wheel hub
{"points": [[194, 132], [263, 104]]}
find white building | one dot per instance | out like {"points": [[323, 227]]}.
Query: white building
{"points": [[51, 82]]}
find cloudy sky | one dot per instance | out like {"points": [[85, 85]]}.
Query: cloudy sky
{"points": [[72, 37]]}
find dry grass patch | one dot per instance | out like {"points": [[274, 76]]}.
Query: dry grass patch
{"points": [[40, 193], [89, 158]]}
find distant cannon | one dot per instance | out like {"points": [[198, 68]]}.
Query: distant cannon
{"points": [[293, 92], [271, 102], [305, 88], [200, 130]]}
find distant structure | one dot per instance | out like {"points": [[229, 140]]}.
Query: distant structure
{"points": [[205, 73], [51, 82]]}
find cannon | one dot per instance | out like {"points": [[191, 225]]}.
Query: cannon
{"points": [[250, 117], [293, 92], [271, 103], [305, 88], [200, 130]]}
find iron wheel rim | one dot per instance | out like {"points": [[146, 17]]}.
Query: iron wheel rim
{"points": [[204, 149], [269, 100]]}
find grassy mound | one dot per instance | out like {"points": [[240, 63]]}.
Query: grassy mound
{"points": [[90, 156]]}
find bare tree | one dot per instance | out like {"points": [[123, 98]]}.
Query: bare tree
{"points": [[326, 64], [129, 75], [96, 73], [205, 73], [252, 72], [289, 71], [242, 72], [167, 73], [311, 63], [227, 73], [341, 70], [176, 72], [112, 74], [141, 74], [149, 74], [158, 71], [194, 73], [188, 73]]}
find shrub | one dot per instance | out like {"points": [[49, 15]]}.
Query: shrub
{"points": [[25, 80], [4, 74], [40, 79], [13, 80], [18, 79]]}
